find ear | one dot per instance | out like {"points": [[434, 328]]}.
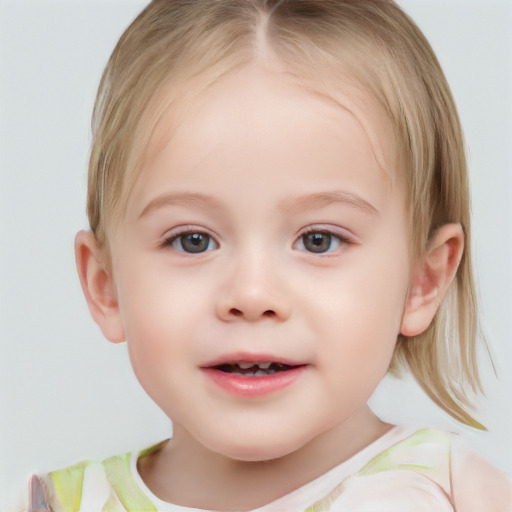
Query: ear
{"points": [[98, 286], [431, 279]]}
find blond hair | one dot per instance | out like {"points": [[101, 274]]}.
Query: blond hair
{"points": [[374, 43]]}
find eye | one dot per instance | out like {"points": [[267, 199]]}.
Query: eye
{"points": [[320, 241], [192, 242]]}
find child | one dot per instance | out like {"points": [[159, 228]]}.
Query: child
{"points": [[279, 215]]}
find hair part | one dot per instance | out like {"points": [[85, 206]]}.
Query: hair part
{"points": [[374, 45]]}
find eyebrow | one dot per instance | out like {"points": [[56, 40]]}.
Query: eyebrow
{"points": [[306, 202], [179, 198], [323, 199]]}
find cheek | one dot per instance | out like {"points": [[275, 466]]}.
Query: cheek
{"points": [[157, 332], [366, 296], [160, 314], [154, 297], [362, 312]]}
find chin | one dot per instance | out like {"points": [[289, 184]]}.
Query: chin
{"points": [[245, 449], [255, 454]]}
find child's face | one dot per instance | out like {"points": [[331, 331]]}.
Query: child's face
{"points": [[269, 229]]}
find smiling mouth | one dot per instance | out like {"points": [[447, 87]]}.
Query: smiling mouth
{"points": [[251, 369], [247, 377]]}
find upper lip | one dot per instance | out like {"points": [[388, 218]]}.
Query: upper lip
{"points": [[246, 357]]}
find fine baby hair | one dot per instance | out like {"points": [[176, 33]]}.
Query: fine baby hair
{"points": [[188, 45], [279, 215]]}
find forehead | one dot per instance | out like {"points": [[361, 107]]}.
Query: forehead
{"points": [[267, 128], [250, 96]]}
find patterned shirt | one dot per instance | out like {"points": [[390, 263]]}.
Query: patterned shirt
{"points": [[406, 470]]}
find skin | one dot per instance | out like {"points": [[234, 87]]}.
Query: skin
{"points": [[253, 167]]}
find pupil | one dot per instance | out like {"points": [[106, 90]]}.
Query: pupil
{"points": [[195, 242], [317, 242]]}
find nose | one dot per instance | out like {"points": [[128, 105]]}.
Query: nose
{"points": [[253, 292]]}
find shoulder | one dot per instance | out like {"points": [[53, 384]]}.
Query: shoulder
{"points": [[422, 469], [83, 486], [418, 453], [474, 484], [89, 485], [62, 490], [477, 484], [408, 469]]}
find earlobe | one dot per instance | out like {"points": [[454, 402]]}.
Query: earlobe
{"points": [[431, 279], [98, 286]]}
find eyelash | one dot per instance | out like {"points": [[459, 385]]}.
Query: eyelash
{"points": [[179, 236], [329, 236], [341, 240]]}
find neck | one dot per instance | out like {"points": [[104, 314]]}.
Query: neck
{"points": [[186, 473]]}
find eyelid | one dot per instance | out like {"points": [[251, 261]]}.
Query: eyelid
{"points": [[178, 231], [344, 236], [342, 233]]}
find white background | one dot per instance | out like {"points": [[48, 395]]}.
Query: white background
{"points": [[65, 393]]}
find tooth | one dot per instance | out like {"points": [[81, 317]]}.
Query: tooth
{"points": [[264, 366], [260, 372], [245, 366]]}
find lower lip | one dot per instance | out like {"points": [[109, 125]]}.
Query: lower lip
{"points": [[256, 386]]}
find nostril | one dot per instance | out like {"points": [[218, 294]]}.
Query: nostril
{"points": [[269, 313]]}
